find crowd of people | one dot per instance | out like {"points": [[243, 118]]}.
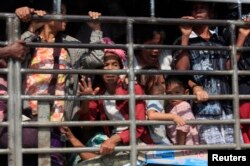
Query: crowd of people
{"points": [[177, 110]]}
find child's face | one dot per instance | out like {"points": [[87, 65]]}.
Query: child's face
{"points": [[157, 90], [157, 86], [175, 89]]}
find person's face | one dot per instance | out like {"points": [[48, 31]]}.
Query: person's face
{"points": [[59, 26], [111, 64], [175, 89], [159, 81], [157, 90], [151, 56], [200, 11]]}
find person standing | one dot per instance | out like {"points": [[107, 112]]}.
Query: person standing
{"points": [[208, 60]]}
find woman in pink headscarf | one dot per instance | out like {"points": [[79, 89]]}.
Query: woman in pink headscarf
{"points": [[111, 84]]}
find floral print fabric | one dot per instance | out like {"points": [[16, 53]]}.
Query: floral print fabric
{"points": [[38, 84]]}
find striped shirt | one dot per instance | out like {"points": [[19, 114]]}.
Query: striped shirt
{"points": [[183, 109]]}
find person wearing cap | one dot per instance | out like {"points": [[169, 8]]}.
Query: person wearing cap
{"points": [[117, 110], [207, 60]]}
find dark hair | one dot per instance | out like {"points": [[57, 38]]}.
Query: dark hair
{"points": [[115, 57], [97, 80], [145, 79], [143, 33], [179, 79], [210, 6], [46, 5]]}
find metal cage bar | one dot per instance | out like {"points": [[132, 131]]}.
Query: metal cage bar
{"points": [[132, 115]]}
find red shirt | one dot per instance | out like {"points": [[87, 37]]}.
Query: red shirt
{"points": [[96, 112]]}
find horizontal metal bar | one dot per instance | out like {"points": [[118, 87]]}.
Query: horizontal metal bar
{"points": [[245, 146], [69, 150], [144, 20], [4, 151], [186, 147], [167, 97], [3, 43], [189, 122], [76, 123], [223, 1], [186, 72], [242, 49], [141, 20], [244, 121], [127, 148], [4, 124], [243, 72], [244, 97], [124, 46], [76, 45], [3, 70], [123, 97], [85, 97], [73, 71], [137, 71], [4, 97], [127, 122], [179, 47], [125, 71]]}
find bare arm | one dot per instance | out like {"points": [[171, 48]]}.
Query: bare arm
{"points": [[108, 146], [181, 137], [154, 115], [15, 50], [243, 33], [93, 58], [25, 13], [183, 62], [76, 143]]}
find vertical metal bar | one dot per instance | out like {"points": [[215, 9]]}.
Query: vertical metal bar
{"points": [[44, 133], [17, 97], [17, 83], [11, 115], [14, 113], [235, 88], [239, 9], [133, 153], [152, 8], [57, 6]]}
